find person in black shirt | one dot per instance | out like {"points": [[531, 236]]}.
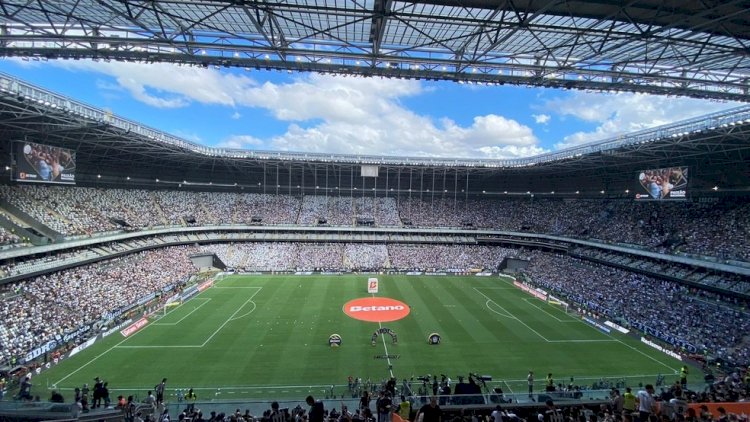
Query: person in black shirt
{"points": [[56, 397], [364, 402], [552, 414], [160, 388], [317, 411], [105, 394], [431, 412], [25, 393], [384, 407]]}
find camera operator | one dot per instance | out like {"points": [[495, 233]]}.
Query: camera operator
{"points": [[445, 392]]}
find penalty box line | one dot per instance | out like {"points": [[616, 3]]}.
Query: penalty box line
{"points": [[513, 317], [198, 346], [610, 336], [206, 299], [118, 345], [569, 319]]}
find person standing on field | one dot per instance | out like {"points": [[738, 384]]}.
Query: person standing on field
{"points": [[160, 388], [530, 380]]}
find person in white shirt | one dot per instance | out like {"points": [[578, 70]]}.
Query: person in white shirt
{"points": [[497, 414], [678, 403], [646, 402]]}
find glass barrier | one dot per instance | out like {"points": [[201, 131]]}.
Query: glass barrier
{"points": [[257, 407]]}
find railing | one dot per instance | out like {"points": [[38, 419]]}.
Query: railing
{"points": [[257, 407]]}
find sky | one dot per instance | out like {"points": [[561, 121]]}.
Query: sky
{"points": [[272, 110]]}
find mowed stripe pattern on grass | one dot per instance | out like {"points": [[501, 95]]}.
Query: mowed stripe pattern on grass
{"points": [[273, 330]]}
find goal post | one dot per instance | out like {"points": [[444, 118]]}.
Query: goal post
{"points": [[171, 305], [552, 300]]}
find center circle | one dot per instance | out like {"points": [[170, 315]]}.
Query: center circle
{"points": [[376, 309]]}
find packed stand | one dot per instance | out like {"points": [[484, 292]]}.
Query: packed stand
{"points": [[314, 209], [179, 206], [718, 229], [364, 207], [9, 239], [135, 207], [47, 307], [362, 256], [725, 281], [271, 209], [340, 211], [70, 211], [257, 256], [313, 256], [38, 264], [386, 211], [287, 256], [449, 258], [649, 304]]}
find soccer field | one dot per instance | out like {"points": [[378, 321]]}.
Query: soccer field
{"points": [[265, 336]]}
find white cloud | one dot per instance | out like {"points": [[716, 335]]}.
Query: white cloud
{"points": [[325, 113], [241, 141], [236, 115], [541, 119], [623, 113], [402, 133], [166, 85], [187, 135]]}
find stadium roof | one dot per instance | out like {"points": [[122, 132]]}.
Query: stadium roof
{"points": [[717, 146], [689, 47]]}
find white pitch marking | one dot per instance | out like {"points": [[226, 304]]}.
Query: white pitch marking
{"points": [[510, 315], [487, 304], [207, 299], [529, 301], [513, 316]]}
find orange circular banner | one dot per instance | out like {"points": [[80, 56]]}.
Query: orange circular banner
{"points": [[376, 309]]}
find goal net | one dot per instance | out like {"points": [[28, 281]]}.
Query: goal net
{"points": [[552, 300], [171, 305]]}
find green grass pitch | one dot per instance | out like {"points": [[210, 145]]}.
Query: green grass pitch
{"points": [[265, 336]]}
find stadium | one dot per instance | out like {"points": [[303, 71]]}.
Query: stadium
{"points": [[145, 276]]}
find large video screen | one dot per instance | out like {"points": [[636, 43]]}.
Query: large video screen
{"points": [[43, 163], [663, 184]]}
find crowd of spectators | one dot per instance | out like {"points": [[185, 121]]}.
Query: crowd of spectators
{"points": [[731, 282], [340, 211], [62, 209], [465, 402], [312, 256], [45, 308], [9, 239], [450, 258], [288, 256], [314, 210], [45, 262], [366, 257], [706, 324], [718, 229]]}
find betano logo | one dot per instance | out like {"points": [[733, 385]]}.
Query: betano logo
{"points": [[376, 309]]}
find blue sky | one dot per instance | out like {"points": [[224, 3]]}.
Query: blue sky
{"points": [[264, 110]]}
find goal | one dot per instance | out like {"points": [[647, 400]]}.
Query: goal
{"points": [[171, 305], [557, 302]]}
